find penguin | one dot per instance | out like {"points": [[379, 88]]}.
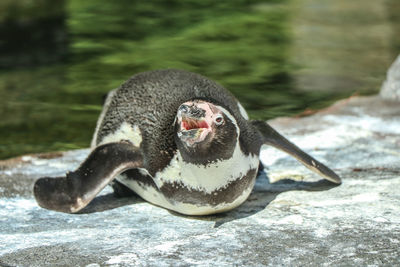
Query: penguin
{"points": [[178, 140]]}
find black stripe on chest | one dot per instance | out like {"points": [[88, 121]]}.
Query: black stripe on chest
{"points": [[178, 192]]}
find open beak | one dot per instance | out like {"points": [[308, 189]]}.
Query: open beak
{"points": [[193, 125]]}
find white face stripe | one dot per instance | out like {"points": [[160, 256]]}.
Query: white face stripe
{"points": [[124, 132], [100, 119], [243, 112], [230, 116]]}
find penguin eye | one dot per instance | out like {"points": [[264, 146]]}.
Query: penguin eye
{"points": [[219, 120]]}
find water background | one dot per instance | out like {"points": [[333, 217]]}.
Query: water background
{"points": [[279, 57]]}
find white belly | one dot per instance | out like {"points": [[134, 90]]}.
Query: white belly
{"points": [[206, 179]]}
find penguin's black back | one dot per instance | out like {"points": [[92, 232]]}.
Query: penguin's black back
{"points": [[150, 101]]}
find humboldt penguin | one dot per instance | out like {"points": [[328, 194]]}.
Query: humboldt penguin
{"points": [[176, 139]]}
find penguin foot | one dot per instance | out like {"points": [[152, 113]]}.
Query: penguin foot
{"points": [[58, 194]]}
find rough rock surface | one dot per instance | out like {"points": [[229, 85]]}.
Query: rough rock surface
{"points": [[391, 86], [292, 218]]}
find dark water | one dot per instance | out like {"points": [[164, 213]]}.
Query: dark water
{"points": [[58, 58]]}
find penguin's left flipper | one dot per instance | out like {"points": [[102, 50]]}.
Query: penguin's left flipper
{"points": [[72, 193], [269, 136]]}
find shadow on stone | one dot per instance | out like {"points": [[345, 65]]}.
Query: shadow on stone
{"points": [[109, 202], [263, 193]]}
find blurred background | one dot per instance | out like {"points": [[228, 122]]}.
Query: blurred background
{"points": [[279, 57]]}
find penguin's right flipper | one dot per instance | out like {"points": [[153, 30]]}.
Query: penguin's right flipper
{"points": [[271, 137], [72, 193]]}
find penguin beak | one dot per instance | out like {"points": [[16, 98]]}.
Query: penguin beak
{"points": [[193, 130], [193, 125]]}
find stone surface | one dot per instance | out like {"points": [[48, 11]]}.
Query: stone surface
{"points": [[292, 218], [391, 86]]}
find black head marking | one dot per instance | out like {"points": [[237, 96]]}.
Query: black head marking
{"points": [[192, 111]]}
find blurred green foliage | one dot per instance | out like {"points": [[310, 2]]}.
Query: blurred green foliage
{"points": [[52, 103]]}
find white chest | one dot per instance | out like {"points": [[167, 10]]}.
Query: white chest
{"points": [[210, 177]]}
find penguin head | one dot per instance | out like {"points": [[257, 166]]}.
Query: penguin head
{"points": [[205, 131]]}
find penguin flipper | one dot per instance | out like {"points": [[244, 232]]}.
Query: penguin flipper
{"points": [[73, 192], [270, 136]]}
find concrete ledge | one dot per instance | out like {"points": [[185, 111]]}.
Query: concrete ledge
{"points": [[291, 219]]}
